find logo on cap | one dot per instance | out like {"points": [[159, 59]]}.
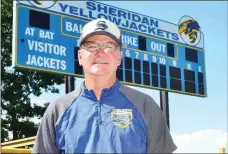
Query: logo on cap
{"points": [[101, 25]]}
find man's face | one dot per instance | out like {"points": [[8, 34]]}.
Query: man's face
{"points": [[102, 62]]}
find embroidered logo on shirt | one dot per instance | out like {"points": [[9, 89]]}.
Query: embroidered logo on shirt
{"points": [[121, 117]]}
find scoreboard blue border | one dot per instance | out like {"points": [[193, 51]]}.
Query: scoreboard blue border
{"points": [[127, 48]]}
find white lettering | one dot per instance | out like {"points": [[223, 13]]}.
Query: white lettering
{"points": [[40, 61], [154, 58], [73, 27], [47, 48], [63, 65], [40, 47], [57, 63], [52, 63], [200, 69], [46, 35], [158, 47], [29, 59], [174, 63], [46, 62], [33, 61], [189, 66], [162, 60], [68, 26], [137, 55], [56, 50], [145, 57], [77, 42], [129, 40], [29, 31], [128, 53], [62, 51], [31, 44], [76, 28]]}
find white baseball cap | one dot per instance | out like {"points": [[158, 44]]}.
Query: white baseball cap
{"points": [[100, 26]]}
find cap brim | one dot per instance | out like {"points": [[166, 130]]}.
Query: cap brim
{"points": [[103, 33]]}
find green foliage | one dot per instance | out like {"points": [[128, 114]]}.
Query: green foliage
{"points": [[19, 85]]}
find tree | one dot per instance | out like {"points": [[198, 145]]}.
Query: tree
{"points": [[18, 85]]}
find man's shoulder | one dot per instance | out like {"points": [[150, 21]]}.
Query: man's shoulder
{"points": [[70, 96], [65, 101], [145, 103], [57, 107], [137, 96], [132, 91]]}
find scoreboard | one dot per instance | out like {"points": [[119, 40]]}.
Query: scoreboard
{"points": [[154, 54]]}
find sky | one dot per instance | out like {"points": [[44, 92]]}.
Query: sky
{"points": [[197, 124]]}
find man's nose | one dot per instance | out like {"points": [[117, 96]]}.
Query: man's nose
{"points": [[100, 51]]}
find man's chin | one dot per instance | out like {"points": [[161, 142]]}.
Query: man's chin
{"points": [[99, 73]]}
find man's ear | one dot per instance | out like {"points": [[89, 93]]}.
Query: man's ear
{"points": [[80, 57], [120, 56]]}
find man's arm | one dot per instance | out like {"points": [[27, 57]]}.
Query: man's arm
{"points": [[159, 137], [46, 136], [45, 139]]}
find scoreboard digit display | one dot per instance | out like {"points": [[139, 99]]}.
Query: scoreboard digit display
{"points": [[156, 54]]}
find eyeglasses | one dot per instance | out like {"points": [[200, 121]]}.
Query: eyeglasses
{"points": [[94, 47]]}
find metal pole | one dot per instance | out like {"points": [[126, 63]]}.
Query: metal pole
{"points": [[69, 84], [164, 103]]}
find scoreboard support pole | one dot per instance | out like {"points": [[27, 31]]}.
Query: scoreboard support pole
{"points": [[164, 104], [69, 84]]}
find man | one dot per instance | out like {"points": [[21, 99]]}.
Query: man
{"points": [[103, 116]]}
